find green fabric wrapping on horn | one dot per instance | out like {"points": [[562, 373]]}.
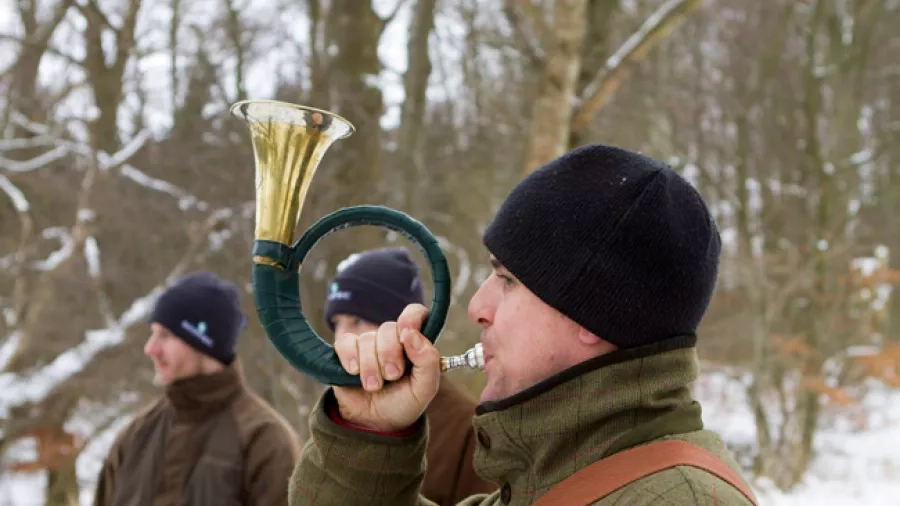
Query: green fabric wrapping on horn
{"points": [[276, 292]]}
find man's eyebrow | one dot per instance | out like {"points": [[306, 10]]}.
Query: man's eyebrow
{"points": [[496, 264]]}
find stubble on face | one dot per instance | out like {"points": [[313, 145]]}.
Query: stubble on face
{"points": [[525, 340]]}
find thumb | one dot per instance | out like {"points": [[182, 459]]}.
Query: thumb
{"points": [[426, 372]]}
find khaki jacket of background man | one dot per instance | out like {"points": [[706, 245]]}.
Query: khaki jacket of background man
{"points": [[372, 287], [209, 440], [604, 263]]}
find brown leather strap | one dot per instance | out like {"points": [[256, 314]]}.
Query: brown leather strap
{"points": [[614, 472]]}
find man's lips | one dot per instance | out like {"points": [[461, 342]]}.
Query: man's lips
{"points": [[486, 350], [487, 356]]}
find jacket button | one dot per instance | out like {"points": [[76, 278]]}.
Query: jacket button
{"points": [[505, 493], [484, 439]]}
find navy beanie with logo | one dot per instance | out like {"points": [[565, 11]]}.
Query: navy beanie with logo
{"points": [[374, 285], [203, 311], [616, 241]]}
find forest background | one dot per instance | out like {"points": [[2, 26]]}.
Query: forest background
{"points": [[121, 169]]}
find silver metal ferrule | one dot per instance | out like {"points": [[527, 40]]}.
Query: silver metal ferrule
{"points": [[472, 359]]}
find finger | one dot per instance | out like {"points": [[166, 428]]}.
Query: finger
{"points": [[426, 373], [345, 348], [369, 371], [412, 317], [390, 351]]}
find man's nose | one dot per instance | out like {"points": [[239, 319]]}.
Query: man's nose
{"points": [[151, 348], [479, 308]]}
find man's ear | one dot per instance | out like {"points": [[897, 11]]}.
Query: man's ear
{"points": [[590, 339], [208, 365]]}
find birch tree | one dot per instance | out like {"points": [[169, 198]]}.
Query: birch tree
{"points": [[559, 113]]}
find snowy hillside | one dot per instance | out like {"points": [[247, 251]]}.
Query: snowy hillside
{"points": [[850, 468]]}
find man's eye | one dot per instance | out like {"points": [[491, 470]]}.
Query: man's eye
{"points": [[506, 279]]}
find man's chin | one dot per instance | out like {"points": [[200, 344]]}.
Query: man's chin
{"points": [[490, 394], [161, 380]]}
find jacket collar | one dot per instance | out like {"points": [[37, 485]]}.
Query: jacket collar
{"points": [[534, 439], [202, 395]]}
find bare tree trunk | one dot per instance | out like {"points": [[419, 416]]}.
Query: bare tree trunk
{"points": [[35, 43], [62, 480], [235, 35], [411, 136], [107, 79], [753, 280], [598, 43], [891, 204], [597, 47], [552, 112], [319, 95]]}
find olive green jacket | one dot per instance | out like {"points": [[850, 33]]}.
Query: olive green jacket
{"points": [[533, 440]]}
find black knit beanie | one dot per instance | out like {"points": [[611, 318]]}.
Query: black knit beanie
{"points": [[204, 312], [374, 285], [616, 241]]}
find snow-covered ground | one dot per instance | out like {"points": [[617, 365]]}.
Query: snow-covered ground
{"points": [[850, 468]]}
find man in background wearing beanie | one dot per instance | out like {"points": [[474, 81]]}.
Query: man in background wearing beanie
{"points": [[371, 288], [604, 263], [209, 440]]}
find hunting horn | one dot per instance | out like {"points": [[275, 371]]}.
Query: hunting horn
{"points": [[289, 142]]}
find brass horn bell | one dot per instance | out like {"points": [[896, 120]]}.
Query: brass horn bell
{"points": [[289, 142]]}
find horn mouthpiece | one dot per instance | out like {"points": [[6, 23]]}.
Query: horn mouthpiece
{"points": [[472, 359]]}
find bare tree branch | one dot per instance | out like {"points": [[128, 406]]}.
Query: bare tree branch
{"points": [[35, 163], [655, 29], [551, 113], [525, 31], [49, 49]]}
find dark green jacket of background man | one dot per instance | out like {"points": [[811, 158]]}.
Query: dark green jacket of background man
{"points": [[208, 442], [533, 440]]}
